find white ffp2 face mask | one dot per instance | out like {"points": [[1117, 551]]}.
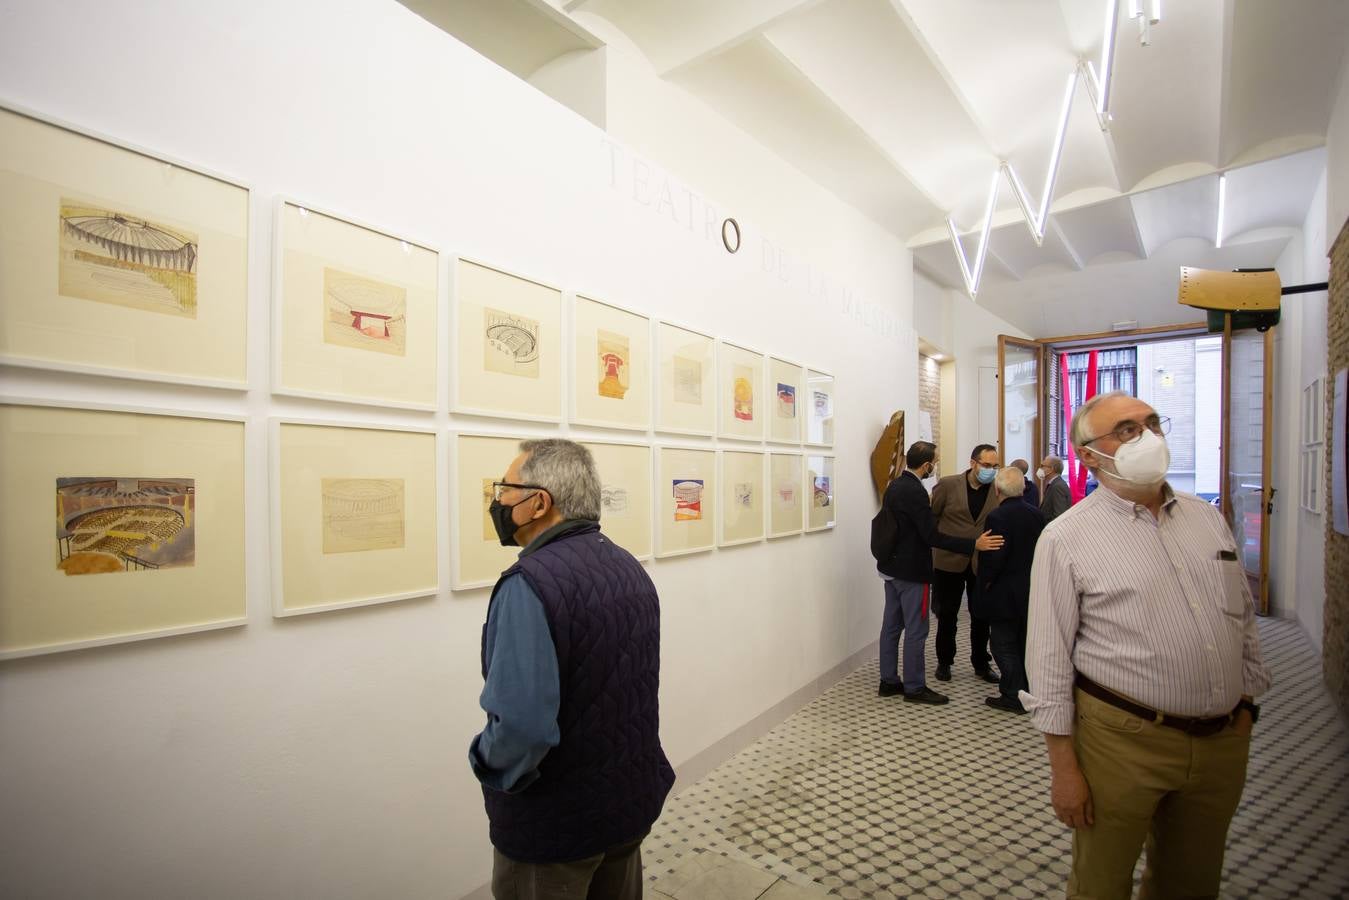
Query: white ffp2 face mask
{"points": [[1144, 461], [1039, 474]]}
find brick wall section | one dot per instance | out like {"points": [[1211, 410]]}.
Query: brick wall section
{"points": [[929, 398], [1335, 658]]}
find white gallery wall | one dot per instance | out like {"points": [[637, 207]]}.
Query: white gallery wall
{"points": [[1297, 536], [325, 756]]}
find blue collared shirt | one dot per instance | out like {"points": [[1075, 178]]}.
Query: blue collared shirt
{"points": [[522, 693]]}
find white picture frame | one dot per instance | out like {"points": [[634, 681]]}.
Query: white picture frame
{"points": [[610, 363], [686, 500], [819, 483], [478, 458], [784, 395], [786, 473], [686, 381], [507, 345], [743, 495], [741, 405], [334, 558], [626, 518], [820, 408], [327, 266]]}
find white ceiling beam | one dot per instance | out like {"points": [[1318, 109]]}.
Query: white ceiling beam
{"points": [[702, 37], [1057, 229]]}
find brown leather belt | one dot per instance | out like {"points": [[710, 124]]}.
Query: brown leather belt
{"points": [[1192, 727]]}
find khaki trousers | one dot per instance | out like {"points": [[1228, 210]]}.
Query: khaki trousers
{"points": [[1156, 785], [615, 874]]}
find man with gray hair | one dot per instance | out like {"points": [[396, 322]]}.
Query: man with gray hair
{"points": [[1004, 584], [1144, 661], [570, 760], [1055, 498]]}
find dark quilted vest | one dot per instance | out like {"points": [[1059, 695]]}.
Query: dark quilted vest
{"points": [[606, 780]]}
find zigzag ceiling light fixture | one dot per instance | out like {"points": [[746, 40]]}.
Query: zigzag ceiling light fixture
{"points": [[1098, 88]]}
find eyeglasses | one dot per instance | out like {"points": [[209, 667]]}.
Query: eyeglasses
{"points": [[499, 486], [1128, 432]]}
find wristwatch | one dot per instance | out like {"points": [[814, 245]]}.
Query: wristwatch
{"points": [[1250, 707]]}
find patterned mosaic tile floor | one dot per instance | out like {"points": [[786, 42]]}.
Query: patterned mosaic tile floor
{"points": [[861, 796]]}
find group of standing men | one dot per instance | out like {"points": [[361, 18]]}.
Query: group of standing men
{"points": [[1142, 658], [997, 512]]}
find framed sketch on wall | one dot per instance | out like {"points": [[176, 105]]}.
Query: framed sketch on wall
{"points": [[148, 531], [742, 497], [625, 494], [786, 381], [354, 312], [686, 485], [508, 359], [819, 409], [114, 261], [819, 492], [477, 557], [740, 383], [785, 506], [611, 366], [353, 515], [686, 401]]}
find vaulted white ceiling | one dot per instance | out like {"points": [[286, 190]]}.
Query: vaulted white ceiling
{"points": [[907, 108]]}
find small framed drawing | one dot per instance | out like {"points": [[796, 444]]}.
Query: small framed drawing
{"points": [[149, 526], [353, 515], [611, 366], [477, 557], [686, 485], [819, 409], [116, 261], [742, 497], [508, 362], [785, 506], [740, 385], [686, 400], [625, 494], [785, 383], [354, 312], [819, 492]]}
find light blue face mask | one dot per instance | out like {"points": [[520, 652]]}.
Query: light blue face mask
{"points": [[986, 476]]}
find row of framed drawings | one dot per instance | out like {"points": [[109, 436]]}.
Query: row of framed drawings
{"points": [[115, 261], [151, 505]]}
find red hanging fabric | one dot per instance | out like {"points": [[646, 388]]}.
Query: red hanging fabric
{"points": [[1077, 472]]}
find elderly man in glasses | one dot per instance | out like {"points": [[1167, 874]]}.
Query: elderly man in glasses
{"points": [[1143, 662], [570, 760]]}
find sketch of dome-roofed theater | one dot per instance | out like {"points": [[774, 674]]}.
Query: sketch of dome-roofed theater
{"points": [[512, 344], [362, 514], [114, 257], [115, 524], [364, 313]]}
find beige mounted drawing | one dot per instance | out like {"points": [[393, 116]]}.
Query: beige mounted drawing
{"points": [[120, 524], [113, 261], [611, 366], [364, 314], [354, 516]]}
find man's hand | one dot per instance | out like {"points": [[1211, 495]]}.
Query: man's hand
{"points": [[1069, 793], [988, 541], [1071, 798]]}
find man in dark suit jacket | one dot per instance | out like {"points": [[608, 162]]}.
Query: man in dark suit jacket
{"points": [[961, 503], [1057, 498], [904, 559], [1032, 496], [1004, 585]]}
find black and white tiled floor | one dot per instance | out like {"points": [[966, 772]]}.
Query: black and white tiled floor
{"points": [[861, 796]]}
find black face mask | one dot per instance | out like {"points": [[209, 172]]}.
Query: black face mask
{"points": [[503, 523]]}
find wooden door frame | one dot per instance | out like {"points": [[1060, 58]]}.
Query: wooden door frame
{"points": [[1037, 437]]}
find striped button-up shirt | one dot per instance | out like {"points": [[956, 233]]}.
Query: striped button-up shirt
{"points": [[1155, 609]]}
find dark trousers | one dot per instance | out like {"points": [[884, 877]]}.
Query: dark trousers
{"points": [[947, 590], [905, 614], [1007, 637], [615, 874]]}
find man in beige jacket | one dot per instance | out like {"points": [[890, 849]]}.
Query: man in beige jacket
{"points": [[961, 503]]}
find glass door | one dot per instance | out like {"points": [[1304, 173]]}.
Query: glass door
{"points": [[1247, 498], [1019, 395]]}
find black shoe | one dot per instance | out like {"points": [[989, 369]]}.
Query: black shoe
{"points": [[926, 694], [1007, 704], [943, 673], [890, 688], [988, 675]]}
